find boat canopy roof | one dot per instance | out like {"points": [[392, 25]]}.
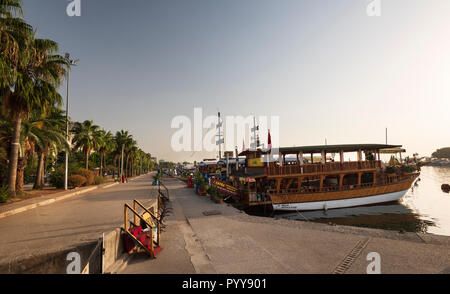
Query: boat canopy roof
{"points": [[203, 163], [252, 151], [335, 148], [189, 167], [392, 150], [231, 161]]}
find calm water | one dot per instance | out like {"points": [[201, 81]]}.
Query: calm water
{"points": [[425, 208]]}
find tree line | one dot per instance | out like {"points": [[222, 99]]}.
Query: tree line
{"points": [[32, 122], [442, 153]]}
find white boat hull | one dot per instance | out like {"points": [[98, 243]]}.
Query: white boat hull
{"points": [[330, 204]]}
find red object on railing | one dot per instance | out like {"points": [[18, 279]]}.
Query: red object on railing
{"points": [[129, 243]]}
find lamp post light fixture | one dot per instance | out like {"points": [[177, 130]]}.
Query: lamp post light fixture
{"points": [[70, 63]]}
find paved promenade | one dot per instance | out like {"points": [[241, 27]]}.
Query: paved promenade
{"points": [[71, 221], [233, 242]]}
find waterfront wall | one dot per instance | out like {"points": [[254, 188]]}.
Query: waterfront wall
{"points": [[58, 262]]}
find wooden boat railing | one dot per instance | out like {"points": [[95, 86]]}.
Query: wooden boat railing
{"points": [[386, 180], [275, 169]]}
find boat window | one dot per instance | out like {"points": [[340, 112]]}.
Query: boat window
{"points": [[331, 180], [350, 179], [367, 178]]}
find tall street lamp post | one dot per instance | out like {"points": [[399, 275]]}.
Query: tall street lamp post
{"points": [[70, 63], [121, 163]]}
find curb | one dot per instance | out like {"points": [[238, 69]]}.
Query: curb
{"points": [[110, 185], [51, 200]]}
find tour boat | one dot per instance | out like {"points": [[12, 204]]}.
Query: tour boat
{"points": [[296, 182]]}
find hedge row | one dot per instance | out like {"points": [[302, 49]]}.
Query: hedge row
{"points": [[78, 178]]}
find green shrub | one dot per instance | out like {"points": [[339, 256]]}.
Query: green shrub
{"points": [[156, 177], [408, 168], [204, 186], [4, 194], [199, 179], [213, 191], [57, 178], [87, 174], [77, 181], [390, 170], [99, 180]]}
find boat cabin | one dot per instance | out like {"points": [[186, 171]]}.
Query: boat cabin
{"points": [[314, 169]]}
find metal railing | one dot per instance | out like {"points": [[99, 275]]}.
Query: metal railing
{"points": [[165, 196], [154, 218], [275, 169], [149, 251]]}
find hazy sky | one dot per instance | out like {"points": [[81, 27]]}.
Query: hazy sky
{"points": [[326, 68]]}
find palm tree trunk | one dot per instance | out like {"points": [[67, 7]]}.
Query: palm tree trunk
{"points": [[44, 169], [104, 163], [38, 183], [21, 164], [87, 159], [114, 170], [101, 164], [104, 159], [13, 157], [131, 167]]}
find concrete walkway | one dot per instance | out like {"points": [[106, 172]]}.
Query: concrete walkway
{"points": [[233, 242], [69, 221], [28, 204]]}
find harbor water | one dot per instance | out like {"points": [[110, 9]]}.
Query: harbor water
{"points": [[425, 208]]}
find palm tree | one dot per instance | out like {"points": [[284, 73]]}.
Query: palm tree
{"points": [[52, 138], [35, 134], [86, 137], [148, 162], [40, 133], [141, 160], [123, 140], [131, 153], [13, 35], [106, 144], [138, 161], [5, 144], [37, 76]]}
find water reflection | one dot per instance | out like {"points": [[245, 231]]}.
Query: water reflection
{"points": [[428, 201], [389, 217], [425, 208]]}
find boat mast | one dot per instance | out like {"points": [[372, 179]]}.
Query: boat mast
{"points": [[220, 141], [386, 136], [255, 128]]}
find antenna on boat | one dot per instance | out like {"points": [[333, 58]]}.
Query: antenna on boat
{"points": [[220, 141], [255, 128], [386, 136]]}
